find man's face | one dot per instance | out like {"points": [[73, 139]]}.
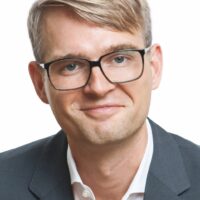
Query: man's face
{"points": [[101, 112]]}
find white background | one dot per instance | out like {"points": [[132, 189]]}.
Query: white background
{"points": [[175, 105]]}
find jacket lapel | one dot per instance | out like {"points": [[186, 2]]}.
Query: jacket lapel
{"points": [[157, 190], [51, 179], [167, 178]]}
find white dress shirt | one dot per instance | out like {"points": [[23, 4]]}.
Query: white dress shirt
{"points": [[137, 186]]}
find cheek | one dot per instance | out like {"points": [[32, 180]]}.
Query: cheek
{"points": [[63, 107], [59, 101], [62, 103], [139, 91]]}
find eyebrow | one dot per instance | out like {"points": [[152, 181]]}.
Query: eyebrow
{"points": [[120, 47], [110, 49]]}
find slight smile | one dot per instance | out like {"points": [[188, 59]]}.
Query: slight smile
{"points": [[102, 111]]}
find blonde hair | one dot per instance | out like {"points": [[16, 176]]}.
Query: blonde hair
{"points": [[121, 15]]}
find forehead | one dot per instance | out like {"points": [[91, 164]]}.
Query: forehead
{"points": [[66, 33]]}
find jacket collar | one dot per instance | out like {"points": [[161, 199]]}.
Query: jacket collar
{"points": [[167, 177], [51, 179]]}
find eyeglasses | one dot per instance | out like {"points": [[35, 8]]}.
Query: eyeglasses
{"points": [[118, 67]]}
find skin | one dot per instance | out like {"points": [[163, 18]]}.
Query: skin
{"points": [[105, 123]]}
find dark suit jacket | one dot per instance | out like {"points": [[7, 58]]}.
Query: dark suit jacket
{"points": [[39, 170]]}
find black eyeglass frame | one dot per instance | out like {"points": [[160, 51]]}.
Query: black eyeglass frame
{"points": [[97, 63]]}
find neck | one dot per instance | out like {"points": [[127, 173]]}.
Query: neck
{"points": [[110, 166]]}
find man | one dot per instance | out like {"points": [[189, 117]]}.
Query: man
{"points": [[96, 67]]}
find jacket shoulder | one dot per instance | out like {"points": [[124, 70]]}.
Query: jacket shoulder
{"points": [[189, 150], [27, 151], [183, 144], [191, 158], [16, 169], [177, 161]]}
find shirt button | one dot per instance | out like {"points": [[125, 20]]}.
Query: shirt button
{"points": [[86, 194]]}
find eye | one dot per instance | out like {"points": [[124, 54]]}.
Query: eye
{"points": [[119, 59], [70, 67], [67, 68]]}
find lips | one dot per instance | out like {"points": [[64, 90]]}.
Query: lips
{"points": [[102, 111]]}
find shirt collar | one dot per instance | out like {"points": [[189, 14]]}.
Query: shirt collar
{"points": [[75, 177], [139, 181]]}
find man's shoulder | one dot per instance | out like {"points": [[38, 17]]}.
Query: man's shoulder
{"points": [[190, 153], [21, 151], [175, 163], [18, 165], [22, 156], [189, 150], [181, 142], [26, 156]]}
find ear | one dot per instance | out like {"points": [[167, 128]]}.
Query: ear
{"points": [[37, 76], [156, 63]]}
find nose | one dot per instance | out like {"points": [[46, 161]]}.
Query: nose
{"points": [[98, 85]]}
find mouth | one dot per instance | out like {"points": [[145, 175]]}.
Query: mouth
{"points": [[102, 111]]}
